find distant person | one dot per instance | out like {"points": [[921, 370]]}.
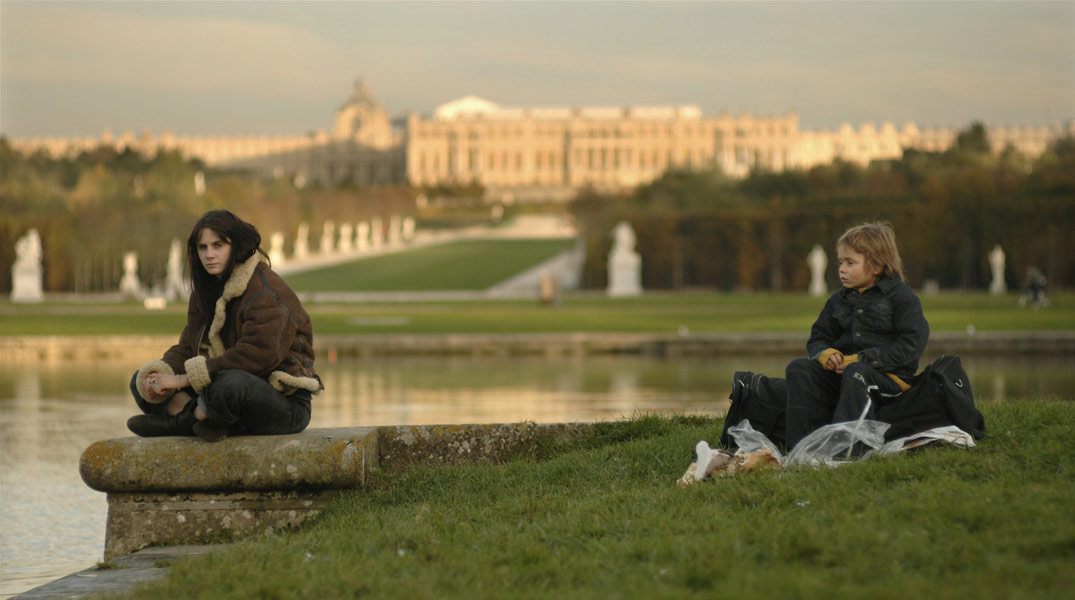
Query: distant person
{"points": [[1034, 284], [244, 363], [871, 332]]}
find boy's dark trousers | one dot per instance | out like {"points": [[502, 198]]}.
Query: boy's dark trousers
{"points": [[817, 396]]}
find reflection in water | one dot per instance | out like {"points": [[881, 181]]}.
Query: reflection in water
{"points": [[52, 523], [49, 413], [409, 391]]}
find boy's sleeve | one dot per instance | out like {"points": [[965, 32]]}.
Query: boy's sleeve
{"points": [[823, 333]]}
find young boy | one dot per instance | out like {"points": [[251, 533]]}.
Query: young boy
{"points": [[870, 333]]}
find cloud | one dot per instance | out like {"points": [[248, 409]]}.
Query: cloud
{"points": [[59, 44], [242, 66]]}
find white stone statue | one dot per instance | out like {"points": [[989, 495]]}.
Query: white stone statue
{"points": [[27, 276], [817, 261], [624, 264], [347, 239], [276, 249], [328, 238], [302, 242], [175, 287], [376, 233], [998, 286], [549, 288], [362, 236], [395, 230], [129, 284]]}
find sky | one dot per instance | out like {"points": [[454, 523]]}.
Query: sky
{"points": [[264, 68]]}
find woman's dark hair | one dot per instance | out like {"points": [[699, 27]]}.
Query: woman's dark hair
{"points": [[245, 241]]}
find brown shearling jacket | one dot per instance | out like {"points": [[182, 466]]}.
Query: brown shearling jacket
{"points": [[258, 326]]}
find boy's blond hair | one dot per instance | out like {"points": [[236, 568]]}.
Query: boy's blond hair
{"points": [[876, 242]]}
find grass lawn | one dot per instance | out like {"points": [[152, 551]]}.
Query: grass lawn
{"points": [[463, 265], [652, 313], [606, 520]]}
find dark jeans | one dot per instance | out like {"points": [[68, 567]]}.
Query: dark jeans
{"points": [[243, 404], [817, 396]]}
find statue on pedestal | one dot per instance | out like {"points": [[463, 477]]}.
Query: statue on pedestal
{"points": [[347, 239], [624, 264], [129, 285], [328, 238], [276, 249], [395, 230], [817, 261], [302, 242], [27, 275], [376, 233], [362, 236], [175, 287], [998, 286]]}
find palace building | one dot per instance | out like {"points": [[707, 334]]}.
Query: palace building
{"points": [[545, 152]]}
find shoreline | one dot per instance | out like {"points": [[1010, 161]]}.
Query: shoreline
{"points": [[593, 474], [23, 349]]}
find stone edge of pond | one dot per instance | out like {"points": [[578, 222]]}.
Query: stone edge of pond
{"points": [[396, 447], [117, 575]]}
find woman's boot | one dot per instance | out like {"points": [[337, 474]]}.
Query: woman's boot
{"points": [[161, 425], [210, 432]]}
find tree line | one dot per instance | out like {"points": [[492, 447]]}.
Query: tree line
{"points": [[694, 229], [949, 209], [92, 209]]}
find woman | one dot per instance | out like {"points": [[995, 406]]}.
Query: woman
{"points": [[245, 360]]}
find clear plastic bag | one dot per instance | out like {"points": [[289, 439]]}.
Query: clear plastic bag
{"points": [[832, 444], [949, 434], [755, 452], [750, 440]]}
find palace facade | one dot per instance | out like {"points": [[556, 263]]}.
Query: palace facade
{"points": [[545, 152]]}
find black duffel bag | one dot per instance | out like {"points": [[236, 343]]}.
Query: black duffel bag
{"points": [[940, 395]]}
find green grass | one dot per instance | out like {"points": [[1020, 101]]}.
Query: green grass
{"points": [[463, 265], [606, 520], [652, 313]]}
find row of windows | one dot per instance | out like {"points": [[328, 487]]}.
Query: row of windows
{"points": [[598, 132], [592, 159]]}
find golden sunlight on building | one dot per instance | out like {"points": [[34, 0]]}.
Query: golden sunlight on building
{"points": [[547, 153]]}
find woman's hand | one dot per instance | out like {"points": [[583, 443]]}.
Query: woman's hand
{"points": [[157, 385], [151, 387]]}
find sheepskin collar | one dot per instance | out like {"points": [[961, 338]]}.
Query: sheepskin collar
{"points": [[235, 286]]}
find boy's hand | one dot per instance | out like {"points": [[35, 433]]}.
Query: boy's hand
{"points": [[835, 362], [845, 361]]}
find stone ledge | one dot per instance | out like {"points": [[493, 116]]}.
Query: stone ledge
{"points": [[401, 447], [178, 490], [137, 520], [314, 459]]}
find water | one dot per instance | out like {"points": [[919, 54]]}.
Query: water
{"points": [[51, 524]]}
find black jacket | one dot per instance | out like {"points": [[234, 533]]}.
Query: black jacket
{"points": [[884, 325]]}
